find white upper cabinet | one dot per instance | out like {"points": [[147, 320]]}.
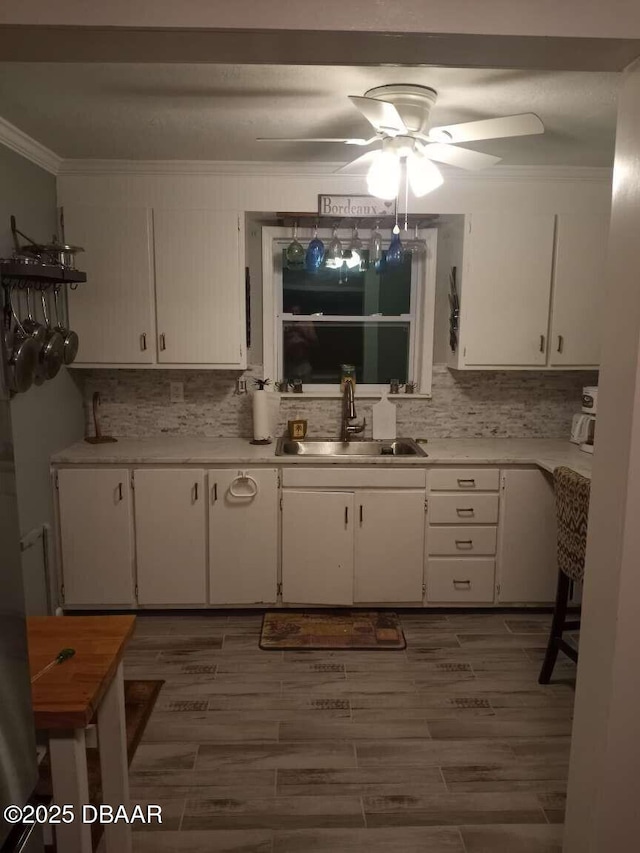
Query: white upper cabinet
{"points": [[164, 287], [113, 312], [199, 280], [506, 288], [531, 289], [578, 292]]}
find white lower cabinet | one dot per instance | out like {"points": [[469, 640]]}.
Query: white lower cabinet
{"points": [[468, 580], [96, 537], [243, 536], [528, 567], [170, 506], [317, 547], [389, 546]]}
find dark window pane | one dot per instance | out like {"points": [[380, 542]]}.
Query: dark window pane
{"points": [[347, 292], [314, 352]]}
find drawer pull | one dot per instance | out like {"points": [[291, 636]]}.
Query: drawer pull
{"points": [[465, 510], [462, 584], [467, 543], [468, 481]]}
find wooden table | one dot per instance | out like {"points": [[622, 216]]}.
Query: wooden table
{"points": [[65, 701]]}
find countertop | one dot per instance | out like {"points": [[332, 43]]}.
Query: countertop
{"points": [[175, 450]]}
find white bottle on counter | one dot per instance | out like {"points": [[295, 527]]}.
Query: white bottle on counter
{"points": [[384, 419]]}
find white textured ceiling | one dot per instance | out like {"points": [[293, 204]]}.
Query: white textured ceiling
{"points": [[215, 112]]}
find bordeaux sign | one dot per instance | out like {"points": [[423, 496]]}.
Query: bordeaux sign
{"points": [[354, 205]]}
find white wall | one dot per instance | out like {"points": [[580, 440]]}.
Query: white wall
{"points": [[282, 187], [47, 418], [602, 813]]}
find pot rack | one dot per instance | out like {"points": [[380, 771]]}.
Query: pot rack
{"points": [[35, 275]]}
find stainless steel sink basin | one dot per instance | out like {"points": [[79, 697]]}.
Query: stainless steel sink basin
{"points": [[331, 447]]}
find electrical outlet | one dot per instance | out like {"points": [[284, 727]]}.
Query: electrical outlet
{"points": [[176, 392]]}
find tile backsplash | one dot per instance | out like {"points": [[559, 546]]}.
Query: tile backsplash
{"points": [[478, 404]]}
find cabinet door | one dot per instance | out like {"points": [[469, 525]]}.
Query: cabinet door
{"points": [[113, 312], [96, 536], [199, 284], [243, 536], [170, 536], [527, 563], [578, 292], [317, 547], [506, 289], [389, 561]]}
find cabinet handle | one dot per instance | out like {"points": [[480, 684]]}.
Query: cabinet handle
{"points": [[466, 542], [470, 481], [465, 510], [163, 344], [346, 515], [560, 343], [214, 493], [120, 496], [465, 584], [361, 514], [542, 340], [195, 491], [143, 341]]}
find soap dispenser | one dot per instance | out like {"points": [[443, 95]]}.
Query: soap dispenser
{"points": [[384, 419]]}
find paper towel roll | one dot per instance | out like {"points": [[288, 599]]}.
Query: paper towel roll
{"points": [[261, 416]]}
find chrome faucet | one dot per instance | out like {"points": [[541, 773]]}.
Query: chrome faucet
{"points": [[349, 413]]}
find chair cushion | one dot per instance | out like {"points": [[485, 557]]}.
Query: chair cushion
{"points": [[572, 509]]}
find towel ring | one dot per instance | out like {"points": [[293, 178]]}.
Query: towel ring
{"points": [[243, 477]]}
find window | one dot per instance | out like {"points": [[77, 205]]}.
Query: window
{"points": [[379, 320]]}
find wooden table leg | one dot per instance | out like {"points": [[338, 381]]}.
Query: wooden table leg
{"points": [[114, 767], [67, 751]]}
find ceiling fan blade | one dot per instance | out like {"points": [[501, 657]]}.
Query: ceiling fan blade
{"points": [[464, 158], [382, 115], [315, 139], [490, 128], [357, 165]]}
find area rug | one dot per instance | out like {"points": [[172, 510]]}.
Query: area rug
{"points": [[371, 630], [139, 700]]}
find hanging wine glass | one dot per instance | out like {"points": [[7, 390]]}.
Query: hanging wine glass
{"points": [[354, 252], [295, 253], [334, 252], [416, 246], [375, 247], [315, 253], [395, 252]]}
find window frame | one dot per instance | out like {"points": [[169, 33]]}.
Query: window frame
{"points": [[421, 317]]}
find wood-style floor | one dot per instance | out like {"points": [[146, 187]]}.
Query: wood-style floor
{"points": [[448, 747]]}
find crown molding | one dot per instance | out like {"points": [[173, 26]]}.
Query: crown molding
{"points": [[203, 168], [28, 147]]}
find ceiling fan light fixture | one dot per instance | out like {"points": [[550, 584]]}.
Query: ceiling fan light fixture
{"points": [[383, 178], [424, 175]]}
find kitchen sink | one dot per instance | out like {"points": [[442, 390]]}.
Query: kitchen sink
{"points": [[332, 447]]}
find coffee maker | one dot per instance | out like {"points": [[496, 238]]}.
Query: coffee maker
{"points": [[583, 426]]}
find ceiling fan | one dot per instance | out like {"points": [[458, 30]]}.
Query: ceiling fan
{"points": [[399, 114]]}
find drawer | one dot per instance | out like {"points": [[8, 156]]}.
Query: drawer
{"points": [[456, 580], [463, 509], [464, 479], [461, 541], [353, 478]]}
